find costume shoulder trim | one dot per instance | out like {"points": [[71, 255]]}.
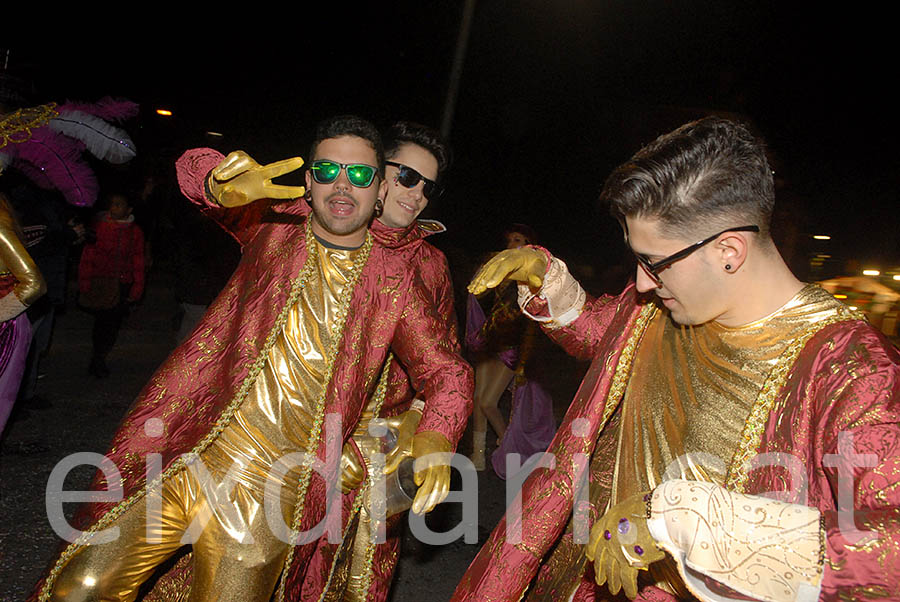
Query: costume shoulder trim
{"points": [[431, 226]]}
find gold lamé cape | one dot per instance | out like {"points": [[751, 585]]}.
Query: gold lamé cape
{"points": [[201, 384], [841, 377]]}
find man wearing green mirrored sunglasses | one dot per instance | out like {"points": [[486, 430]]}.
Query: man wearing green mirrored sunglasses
{"points": [[416, 158], [263, 396]]}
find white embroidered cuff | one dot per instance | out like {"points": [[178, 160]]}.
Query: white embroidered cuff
{"points": [[563, 296]]}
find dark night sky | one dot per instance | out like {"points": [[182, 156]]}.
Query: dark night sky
{"points": [[554, 94]]}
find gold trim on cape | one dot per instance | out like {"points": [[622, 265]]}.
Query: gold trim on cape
{"points": [[378, 397], [615, 394], [751, 437]]}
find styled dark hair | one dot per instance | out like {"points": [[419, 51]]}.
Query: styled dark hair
{"points": [[349, 125], [523, 229], [706, 175], [407, 132]]}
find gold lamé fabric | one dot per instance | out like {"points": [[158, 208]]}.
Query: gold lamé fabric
{"points": [[689, 395], [15, 260], [277, 415], [359, 576], [692, 388], [225, 568], [275, 419]]}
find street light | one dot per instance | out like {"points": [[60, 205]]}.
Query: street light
{"points": [[871, 273], [821, 237]]}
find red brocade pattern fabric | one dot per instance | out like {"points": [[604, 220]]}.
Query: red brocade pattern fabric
{"points": [[845, 381], [191, 391]]}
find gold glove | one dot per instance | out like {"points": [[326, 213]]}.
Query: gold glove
{"points": [[525, 265], [621, 545], [352, 469], [432, 470], [239, 180], [405, 424]]}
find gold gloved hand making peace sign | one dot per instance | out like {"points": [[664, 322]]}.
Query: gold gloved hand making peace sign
{"points": [[239, 180]]}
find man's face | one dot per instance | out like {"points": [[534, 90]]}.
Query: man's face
{"points": [[689, 290], [341, 211], [402, 205]]}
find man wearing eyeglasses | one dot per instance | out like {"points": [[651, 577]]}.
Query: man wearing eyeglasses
{"points": [[278, 374], [718, 378]]}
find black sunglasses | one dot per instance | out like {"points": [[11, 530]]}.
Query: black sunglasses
{"points": [[409, 177], [653, 268]]}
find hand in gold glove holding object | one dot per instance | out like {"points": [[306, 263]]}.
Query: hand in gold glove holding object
{"points": [[432, 470], [525, 265], [352, 469], [621, 545], [239, 180], [405, 424]]}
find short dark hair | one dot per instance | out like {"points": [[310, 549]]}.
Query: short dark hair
{"points": [[349, 125], [706, 174], [407, 132]]}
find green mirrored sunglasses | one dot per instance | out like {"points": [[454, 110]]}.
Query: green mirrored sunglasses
{"points": [[359, 174]]}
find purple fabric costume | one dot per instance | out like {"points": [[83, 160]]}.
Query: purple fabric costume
{"points": [[15, 338], [531, 422]]}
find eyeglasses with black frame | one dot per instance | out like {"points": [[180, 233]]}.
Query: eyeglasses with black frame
{"points": [[409, 177], [653, 268], [359, 174]]}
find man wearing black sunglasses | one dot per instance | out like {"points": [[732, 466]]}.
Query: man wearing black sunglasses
{"points": [[416, 157], [248, 421], [416, 160], [718, 378]]}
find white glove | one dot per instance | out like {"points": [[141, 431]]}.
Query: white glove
{"points": [[564, 296], [757, 546]]}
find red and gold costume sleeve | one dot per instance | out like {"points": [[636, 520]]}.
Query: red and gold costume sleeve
{"points": [[861, 464], [434, 272], [580, 337], [436, 276], [434, 364], [193, 169]]}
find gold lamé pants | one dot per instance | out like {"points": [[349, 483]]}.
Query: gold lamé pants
{"points": [[224, 567]]}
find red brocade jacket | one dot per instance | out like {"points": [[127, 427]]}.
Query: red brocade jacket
{"points": [[843, 379], [433, 271], [202, 383]]}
